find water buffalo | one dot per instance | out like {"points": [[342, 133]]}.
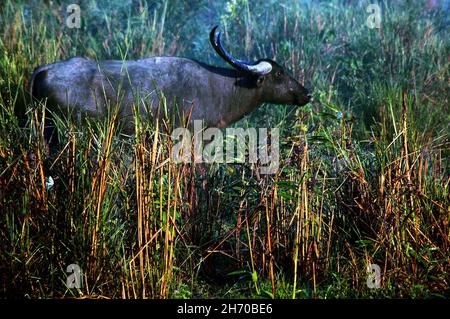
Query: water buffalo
{"points": [[219, 96]]}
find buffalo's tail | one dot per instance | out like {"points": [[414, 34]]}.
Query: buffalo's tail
{"points": [[37, 77]]}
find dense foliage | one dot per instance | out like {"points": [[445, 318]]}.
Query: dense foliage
{"points": [[363, 178]]}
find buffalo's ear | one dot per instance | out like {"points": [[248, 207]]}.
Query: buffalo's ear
{"points": [[260, 80]]}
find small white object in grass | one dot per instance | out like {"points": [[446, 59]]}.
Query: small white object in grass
{"points": [[49, 182]]}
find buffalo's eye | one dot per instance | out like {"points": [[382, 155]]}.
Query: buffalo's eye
{"points": [[279, 74]]}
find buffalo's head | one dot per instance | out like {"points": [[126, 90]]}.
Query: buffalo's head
{"points": [[275, 84]]}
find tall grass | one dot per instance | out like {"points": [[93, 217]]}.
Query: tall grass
{"points": [[363, 178]]}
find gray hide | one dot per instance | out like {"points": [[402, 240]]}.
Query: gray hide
{"points": [[219, 96]]}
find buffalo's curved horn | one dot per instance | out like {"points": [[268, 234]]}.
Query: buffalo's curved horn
{"points": [[260, 68]]}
